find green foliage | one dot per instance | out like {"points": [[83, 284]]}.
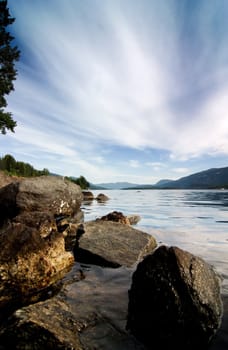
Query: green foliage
{"points": [[8, 55], [81, 181], [13, 167]]}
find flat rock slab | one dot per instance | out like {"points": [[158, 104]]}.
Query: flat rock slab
{"points": [[112, 244]]}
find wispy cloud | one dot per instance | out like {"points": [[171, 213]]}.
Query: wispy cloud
{"points": [[142, 75]]}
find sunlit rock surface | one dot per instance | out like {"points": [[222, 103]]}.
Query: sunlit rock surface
{"points": [[111, 244], [32, 244]]}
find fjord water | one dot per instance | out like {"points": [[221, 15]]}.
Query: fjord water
{"points": [[194, 220]]}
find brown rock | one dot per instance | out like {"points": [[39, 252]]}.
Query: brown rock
{"points": [[44, 193], [34, 213], [46, 325], [133, 219], [29, 262], [87, 196], [115, 216], [174, 300], [7, 179], [111, 244], [102, 197]]}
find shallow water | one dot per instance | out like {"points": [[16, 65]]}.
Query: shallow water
{"points": [[194, 220]]}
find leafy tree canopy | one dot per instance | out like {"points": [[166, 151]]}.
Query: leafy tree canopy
{"points": [[9, 54], [81, 181]]}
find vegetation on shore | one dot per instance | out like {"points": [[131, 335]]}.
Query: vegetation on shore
{"points": [[81, 181], [16, 168], [12, 167]]}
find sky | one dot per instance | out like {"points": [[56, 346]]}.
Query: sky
{"points": [[120, 90]]}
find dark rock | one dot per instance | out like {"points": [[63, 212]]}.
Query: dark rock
{"points": [[32, 328], [102, 197], [115, 216], [174, 300], [111, 244], [87, 196]]}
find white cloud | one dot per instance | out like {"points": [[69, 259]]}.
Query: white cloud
{"points": [[114, 73], [134, 163], [181, 170]]}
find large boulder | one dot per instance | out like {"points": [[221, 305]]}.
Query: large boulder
{"points": [[112, 244], [40, 326], [44, 194], [32, 243], [6, 179], [174, 300]]}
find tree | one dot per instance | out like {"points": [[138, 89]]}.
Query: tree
{"points": [[9, 54], [82, 182], [8, 163]]}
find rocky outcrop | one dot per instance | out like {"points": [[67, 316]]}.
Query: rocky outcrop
{"points": [[115, 216], [40, 326], [102, 197], [32, 245], [40, 194], [111, 244], [7, 179], [174, 300], [87, 196]]}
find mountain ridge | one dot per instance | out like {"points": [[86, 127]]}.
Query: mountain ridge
{"points": [[206, 179]]}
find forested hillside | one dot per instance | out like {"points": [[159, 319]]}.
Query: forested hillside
{"points": [[14, 167]]}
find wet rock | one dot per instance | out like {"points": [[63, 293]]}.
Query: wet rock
{"points": [[111, 244], [174, 300], [102, 197], [32, 232], [115, 216], [87, 196], [29, 262], [45, 325]]}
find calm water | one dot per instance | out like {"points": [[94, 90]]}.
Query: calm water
{"points": [[194, 220]]}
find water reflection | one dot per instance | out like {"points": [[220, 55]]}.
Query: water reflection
{"points": [[195, 220]]}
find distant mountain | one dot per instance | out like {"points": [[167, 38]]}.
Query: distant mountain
{"points": [[115, 185], [162, 182], [96, 187], [211, 178]]}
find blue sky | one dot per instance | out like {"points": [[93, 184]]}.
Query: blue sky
{"points": [[120, 90]]}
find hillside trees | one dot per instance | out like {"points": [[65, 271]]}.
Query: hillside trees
{"points": [[9, 54], [81, 181], [13, 167]]}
